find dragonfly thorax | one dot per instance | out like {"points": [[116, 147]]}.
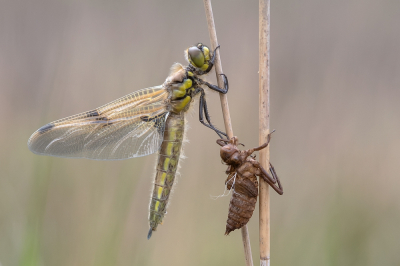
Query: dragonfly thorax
{"points": [[181, 85]]}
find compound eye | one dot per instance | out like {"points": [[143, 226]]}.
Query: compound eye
{"points": [[196, 56]]}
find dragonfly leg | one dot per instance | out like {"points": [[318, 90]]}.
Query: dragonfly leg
{"points": [[250, 151], [214, 54], [203, 109], [270, 179], [262, 146], [214, 87], [275, 176]]}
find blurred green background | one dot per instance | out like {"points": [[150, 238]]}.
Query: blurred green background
{"points": [[335, 90]]}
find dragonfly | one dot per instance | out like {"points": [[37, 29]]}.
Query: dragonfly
{"points": [[141, 123]]}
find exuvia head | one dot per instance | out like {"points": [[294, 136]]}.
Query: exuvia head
{"points": [[229, 152], [199, 58], [230, 155]]}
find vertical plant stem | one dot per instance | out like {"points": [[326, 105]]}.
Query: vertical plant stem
{"points": [[264, 82], [218, 67], [225, 111]]}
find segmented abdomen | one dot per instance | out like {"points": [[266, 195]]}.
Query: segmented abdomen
{"points": [[166, 168], [243, 201]]}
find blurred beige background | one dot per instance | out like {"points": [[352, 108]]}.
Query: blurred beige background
{"points": [[334, 103]]}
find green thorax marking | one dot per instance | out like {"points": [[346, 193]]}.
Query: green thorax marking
{"points": [[182, 93]]}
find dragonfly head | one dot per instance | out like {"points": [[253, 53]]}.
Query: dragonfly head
{"points": [[199, 58]]}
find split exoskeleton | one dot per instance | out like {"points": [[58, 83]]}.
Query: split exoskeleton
{"points": [[242, 173]]}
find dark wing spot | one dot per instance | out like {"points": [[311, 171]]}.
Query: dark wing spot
{"points": [[157, 118], [102, 118], [92, 113], [45, 128], [146, 118], [159, 121]]}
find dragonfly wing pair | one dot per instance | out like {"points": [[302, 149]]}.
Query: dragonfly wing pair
{"points": [[144, 122], [131, 126]]}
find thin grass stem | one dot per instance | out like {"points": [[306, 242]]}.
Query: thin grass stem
{"points": [[264, 88], [225, 111]]}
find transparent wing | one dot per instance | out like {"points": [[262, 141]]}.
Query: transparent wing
{"points": [[131, 126]]}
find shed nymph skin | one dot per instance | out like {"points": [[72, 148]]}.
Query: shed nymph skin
{"points": [[242, 173]]}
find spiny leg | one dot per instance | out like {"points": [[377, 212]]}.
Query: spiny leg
{"points": [[275, 176], [266, 143], [271, 180], [222, 142], [212, 60], [203, 108], [214, 87], [250, 151], [204, 102]]}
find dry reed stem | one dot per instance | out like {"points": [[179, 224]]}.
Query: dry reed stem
{"points": [[225, 111], [264, 83], [218, 67]]}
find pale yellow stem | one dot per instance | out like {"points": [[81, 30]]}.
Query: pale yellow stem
{"points": [[264, 86], [225, 111]]}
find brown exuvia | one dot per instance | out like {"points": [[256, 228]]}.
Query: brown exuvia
{"points": [[242, 172]]}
